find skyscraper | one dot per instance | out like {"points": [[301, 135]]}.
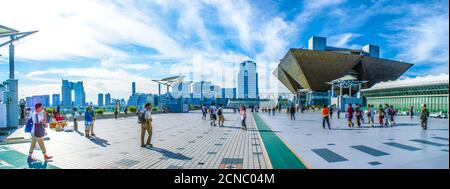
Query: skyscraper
{"points": [[133, 88], [66, 91], [247, 80], [107, 99], [100, 99], [56, 100]]}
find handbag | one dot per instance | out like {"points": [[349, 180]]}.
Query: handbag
{"points": [[39, 130]]}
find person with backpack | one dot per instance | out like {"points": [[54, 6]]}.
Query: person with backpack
{"points": [[358, 115], [325, 116], [38, 121], [75, 117], [220, 114], [212, 112], [87, 121], [243, 113], [350, 112], [145, 118], [424, 114], [381, 115]]}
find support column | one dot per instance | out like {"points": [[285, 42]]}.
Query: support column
{"points": [[11, 60]]}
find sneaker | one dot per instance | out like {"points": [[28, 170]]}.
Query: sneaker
{"points": [[31, 159], [92, 134], [150, 145], [142, 145], [47, 158]]}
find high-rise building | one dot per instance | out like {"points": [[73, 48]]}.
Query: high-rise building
{"points": [[100, 99], [133, 88], [66, 91], [56, 100], [247, 80], [33, 100], [107, 99]]}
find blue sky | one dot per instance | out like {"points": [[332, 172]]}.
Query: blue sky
{"points": [[108, 44]]}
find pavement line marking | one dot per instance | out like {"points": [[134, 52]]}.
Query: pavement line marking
{"points": [[263, 147], [16, 160], [369, 150], [428, 142], [402, 146], [280, 155], [329, 155]]}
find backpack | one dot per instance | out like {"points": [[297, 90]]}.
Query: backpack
{"points": [[141, 117], [219, 111], [29, 125]]}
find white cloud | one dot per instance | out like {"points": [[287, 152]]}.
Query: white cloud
{"points": [[83, 29]]}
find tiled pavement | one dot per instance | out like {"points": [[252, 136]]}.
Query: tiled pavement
{"points": [[181, 141], [403, 146]]}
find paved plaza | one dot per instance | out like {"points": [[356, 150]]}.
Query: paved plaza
{"points": [[405, 145], [181, 141], [185, 141]]}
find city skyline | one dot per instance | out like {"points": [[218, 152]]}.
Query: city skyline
{"points": [[106, 58]]}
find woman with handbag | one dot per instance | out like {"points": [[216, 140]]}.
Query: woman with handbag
{"points": [[38, 132]]}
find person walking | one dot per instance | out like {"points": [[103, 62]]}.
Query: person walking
{"points": [[273, 111], [75, 119], [411, 111], [87, 121], [358, 115], [38, 118], [212, 112], [325, 116], [381, 115], [331, 111], [387, 115], [126, 111], [116, 111], [424, 114], [371, 115], [392, 113], [204, 111], [93, 120], [350, 112], [292, 112], [146, 125], [220, 114], [243, 113]]}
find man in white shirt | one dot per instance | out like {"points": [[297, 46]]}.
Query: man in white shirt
{"points": [[147, 125]]}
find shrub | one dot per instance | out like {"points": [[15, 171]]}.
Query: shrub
{"points": [[49, 110], [99, 111], [132, 109], [154, 109]]}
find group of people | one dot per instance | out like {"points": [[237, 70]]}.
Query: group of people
{"points": [[385, 115], [217, 114]]}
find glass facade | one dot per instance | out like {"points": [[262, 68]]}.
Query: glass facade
{"points": [[434, 96]]}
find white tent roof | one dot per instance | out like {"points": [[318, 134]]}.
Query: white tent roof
{"points": [[410, 82]]}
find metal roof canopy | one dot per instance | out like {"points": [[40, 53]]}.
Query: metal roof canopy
{"points": [[346, 81], [13, 35], [169, 80]]}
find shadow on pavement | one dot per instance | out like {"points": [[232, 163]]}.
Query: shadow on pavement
{"points": [[100, 141], [37, 164], [170, 154]]}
